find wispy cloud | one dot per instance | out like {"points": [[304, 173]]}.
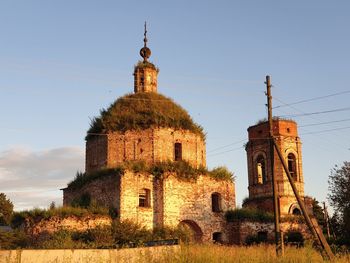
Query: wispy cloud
{"points": [[33, 178]]}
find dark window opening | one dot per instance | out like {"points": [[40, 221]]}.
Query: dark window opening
{"points": [[144, 198], [178, 151], [261, 170], [217, 237], [216, 202], [296, 211], [292, 166], [288, 130]]}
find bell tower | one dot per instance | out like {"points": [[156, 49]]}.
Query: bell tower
{"points": [[259, 166], [145, 73]]}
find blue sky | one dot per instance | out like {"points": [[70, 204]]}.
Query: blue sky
{"points": [[62, 61]]}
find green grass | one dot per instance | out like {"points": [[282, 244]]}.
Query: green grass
{"points": [[142, 111]]}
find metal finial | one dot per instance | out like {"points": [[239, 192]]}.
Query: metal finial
{"points": [[145, 34], [145, 52]]}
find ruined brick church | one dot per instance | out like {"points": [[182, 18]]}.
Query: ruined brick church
{"points": [[147, 128]]}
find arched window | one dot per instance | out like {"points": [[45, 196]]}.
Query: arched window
{"points": [[216, 202], [296, 211], [261, 170], [144, 198], [178, 151], [292, 166]]}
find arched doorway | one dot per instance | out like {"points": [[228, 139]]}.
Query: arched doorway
{"points": [[194, 230]]}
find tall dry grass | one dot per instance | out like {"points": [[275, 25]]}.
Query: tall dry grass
{"points": [[252, 254]]}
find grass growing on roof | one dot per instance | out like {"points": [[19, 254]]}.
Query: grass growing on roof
{"points": [[142, 111], [182, 169]]}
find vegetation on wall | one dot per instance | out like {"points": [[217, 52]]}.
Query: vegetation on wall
{"points": [[275, 118], [38, 214], [182, 169], [142, 111], [83, 178], [119, 234], [145, 64], [241, 214]]}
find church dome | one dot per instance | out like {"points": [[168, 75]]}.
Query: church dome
{"points": [[141, 111]]}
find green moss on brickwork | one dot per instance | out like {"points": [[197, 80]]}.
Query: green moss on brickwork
{"points": [[142, 111], [83, 178], [182, 169], [38, 214]]}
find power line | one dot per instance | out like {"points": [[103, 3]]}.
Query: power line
{"points": [[312, 117], [321, 123], [313, 99], [315, 113], [323, 131], [225, 146], [235, 149]]}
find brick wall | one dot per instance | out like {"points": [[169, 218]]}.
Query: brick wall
{"points": [[287, 139], [171, 200], [240, 230], [150, 145], [105, 191]]}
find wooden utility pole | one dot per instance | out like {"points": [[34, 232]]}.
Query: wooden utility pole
{"points": [[274, 179], [326, 219], [316, 231]]}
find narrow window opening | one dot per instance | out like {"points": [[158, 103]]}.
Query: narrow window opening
{"points": [[261, 170], [292, 166], [178, 151], [144, 198], [216, 202]]}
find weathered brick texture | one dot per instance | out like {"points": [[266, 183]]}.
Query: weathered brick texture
{"points": [[172, 200], [150, 145], [286, 135]]}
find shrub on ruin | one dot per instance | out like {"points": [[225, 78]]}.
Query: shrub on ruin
{"points": [[221, 173], [241, 214]]}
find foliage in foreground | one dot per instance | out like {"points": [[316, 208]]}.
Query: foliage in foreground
{"points": [[6, 210], [118, 235], [339, 197]]}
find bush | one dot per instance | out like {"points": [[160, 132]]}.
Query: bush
{"points": [[37, 214], [13, 239], [221, 173], [248, 214], [6, 210]]}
